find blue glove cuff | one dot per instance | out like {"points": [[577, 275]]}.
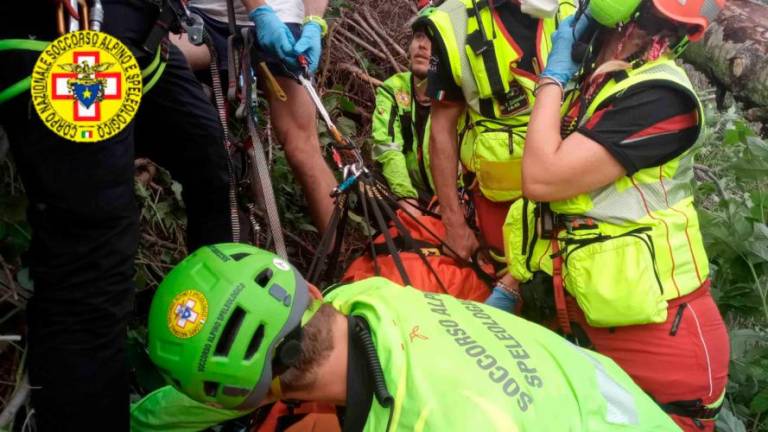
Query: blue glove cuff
{"points": [[260, 11], [501, 299], [561, 78], [308, 26]]}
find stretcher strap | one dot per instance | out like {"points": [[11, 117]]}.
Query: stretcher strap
{"points": [[559, 288]]}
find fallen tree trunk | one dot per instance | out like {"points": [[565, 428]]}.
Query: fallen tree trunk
{"points": [[734, 51]]}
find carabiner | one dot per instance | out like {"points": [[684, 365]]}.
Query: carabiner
{"points": [[69, 25]]}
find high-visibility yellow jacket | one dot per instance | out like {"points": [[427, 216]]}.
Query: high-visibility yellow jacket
{"points": [[499, 95], [629, 246], [404, 160], [457, 365]]}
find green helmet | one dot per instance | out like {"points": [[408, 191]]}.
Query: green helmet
{"points": [[421, 21], [611, 13], [217, 320]]}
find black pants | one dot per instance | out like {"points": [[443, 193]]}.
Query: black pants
{"points": [[84, 221]]}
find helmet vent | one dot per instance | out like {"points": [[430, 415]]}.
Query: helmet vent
{"points": [[210, 388], [235, 391], [264, 277], [239, 256], [253, 346], [229, 333]]}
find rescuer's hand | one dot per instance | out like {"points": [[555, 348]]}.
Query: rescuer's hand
{"points": [[460, 239], [273, 35], [560, 64]]}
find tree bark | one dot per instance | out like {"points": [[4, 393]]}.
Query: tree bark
{"points": [[734, 51]]}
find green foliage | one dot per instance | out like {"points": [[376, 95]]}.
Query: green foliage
{"points": [[162, 224], [733, 208], [291, 203], [15, 232]]}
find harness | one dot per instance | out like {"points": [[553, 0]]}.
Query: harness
{"points": [[693, 409], [361, 191]]}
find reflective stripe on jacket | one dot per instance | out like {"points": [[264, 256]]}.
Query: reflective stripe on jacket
{"points": [[629, 246]]}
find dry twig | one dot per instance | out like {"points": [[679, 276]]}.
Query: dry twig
{"points": [[395, 64], [359, 73], [376, 26], [19, 397], [366, 46]]}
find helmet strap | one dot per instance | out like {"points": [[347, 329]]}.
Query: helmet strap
{"points": [[311, 311], [276, 388], [678, 49]]}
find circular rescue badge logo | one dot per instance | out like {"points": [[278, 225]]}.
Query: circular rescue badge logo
{"points": [[86, 86], [403, 98], [188, 313]]}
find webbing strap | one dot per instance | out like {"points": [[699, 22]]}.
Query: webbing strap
{"points": [[339, 234], [318, 264], [408, 239], [407, 246], [473, 264], [368, 233], [264, 181], [234, 43], [379, 217], [483, 46], [155, 63], [694, 409], [557, 283], [221, 108], [155, 77]]}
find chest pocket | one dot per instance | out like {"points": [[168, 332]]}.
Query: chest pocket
{"points": [[494, 151]]}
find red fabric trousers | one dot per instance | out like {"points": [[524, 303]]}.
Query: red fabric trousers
{"points": [[690, 364], [490, 220]]}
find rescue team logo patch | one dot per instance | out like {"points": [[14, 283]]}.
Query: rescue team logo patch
{"points": [[188, 313], [403, 98], [86, 86]]}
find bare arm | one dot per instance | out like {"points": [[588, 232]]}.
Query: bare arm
{"points": [[311, 7], [444, 162], [555, 169], [315, 7], [253, 4], [444, 158]]}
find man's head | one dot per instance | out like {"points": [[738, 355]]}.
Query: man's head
{"points": [[419, 52], [226, 321]]}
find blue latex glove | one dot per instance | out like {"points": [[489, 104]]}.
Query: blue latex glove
{"points": [[560, 64], [310, 44], [273, 35], [501, 299]]}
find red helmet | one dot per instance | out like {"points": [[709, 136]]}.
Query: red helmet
{"points": [[697, 13], [422, 4]]}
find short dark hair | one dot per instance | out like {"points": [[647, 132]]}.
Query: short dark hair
{"points": [[316, 346]]}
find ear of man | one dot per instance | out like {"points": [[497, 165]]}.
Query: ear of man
{"points": [[316, 347]]}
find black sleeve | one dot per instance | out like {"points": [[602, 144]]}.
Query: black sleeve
{"points": [[440, 84], [645, 126]]}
